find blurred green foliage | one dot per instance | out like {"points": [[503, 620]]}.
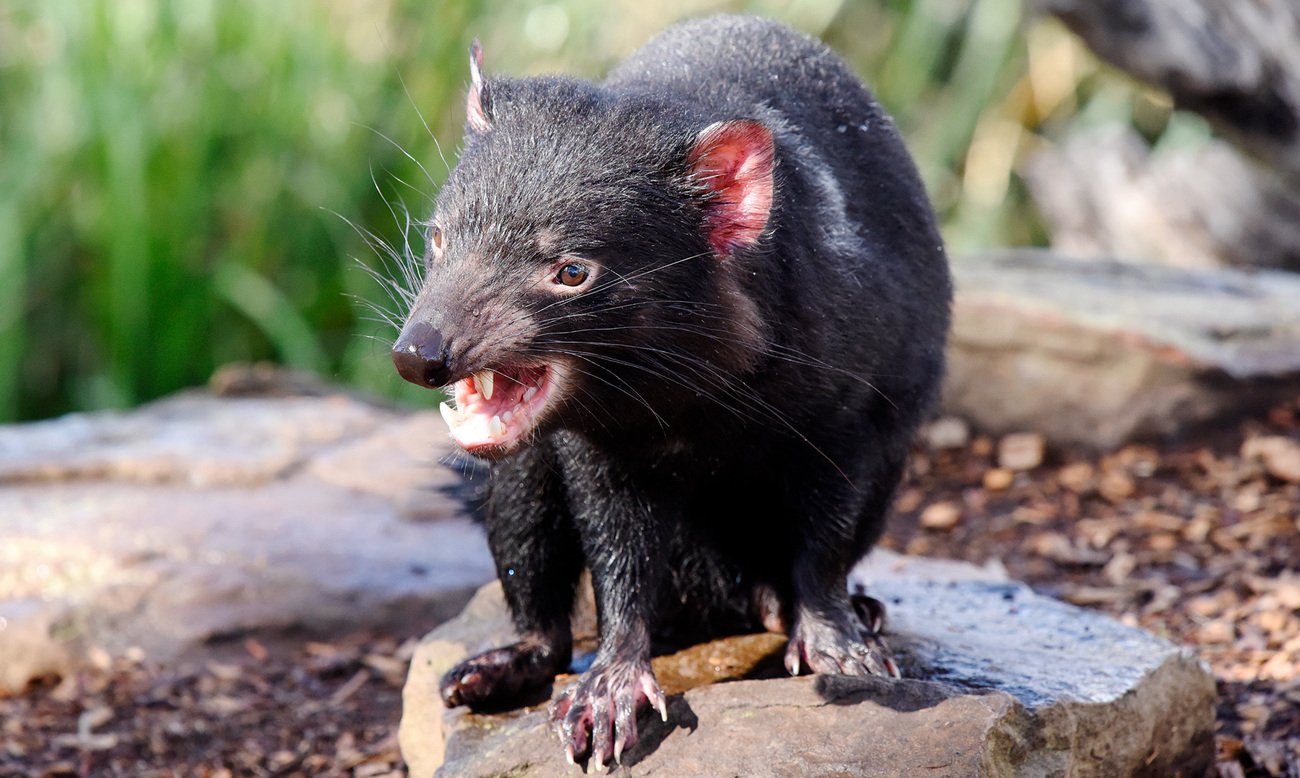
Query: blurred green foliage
{"points": [[180, 179]]}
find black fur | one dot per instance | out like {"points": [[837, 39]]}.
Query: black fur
{"points": [[732, 423]]}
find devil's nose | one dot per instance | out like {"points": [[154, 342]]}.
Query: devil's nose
{"points": [[420, 355]]}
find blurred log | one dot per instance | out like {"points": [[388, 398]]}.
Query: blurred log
{"points": [[1101, 353], [1105, 194], [1236, 62]]}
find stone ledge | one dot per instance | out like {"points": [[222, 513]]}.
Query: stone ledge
{"points": [[199, 518], [1001, 682]]}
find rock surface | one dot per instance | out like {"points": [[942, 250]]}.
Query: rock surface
{"points": [[199, 518], [1000, 682], [1104, 193], [1237, 63], [1098, 353]]}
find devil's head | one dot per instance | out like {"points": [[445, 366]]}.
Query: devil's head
{"points": [[584, 261]]}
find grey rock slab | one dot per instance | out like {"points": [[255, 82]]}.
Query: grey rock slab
{"points": [[191, 438], [1099, 353], [201, 518], [1237, 64], [999, 681], [396, 461], [883, 564]]}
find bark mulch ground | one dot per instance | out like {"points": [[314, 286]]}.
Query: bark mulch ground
{"points": [[1197, 541]]}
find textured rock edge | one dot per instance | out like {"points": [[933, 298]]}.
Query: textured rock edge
{"points": [[1171, 706]]}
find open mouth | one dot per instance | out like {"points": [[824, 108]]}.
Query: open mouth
{"points": [[496, 408]]}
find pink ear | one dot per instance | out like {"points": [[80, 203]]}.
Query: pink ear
{"points": [[475, 112], [733, 161]]}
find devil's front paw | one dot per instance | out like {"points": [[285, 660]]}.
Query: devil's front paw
{"points": [[495, 676], [597, 714], [837, 646]]}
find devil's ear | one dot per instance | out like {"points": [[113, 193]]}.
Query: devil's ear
{"points": [[478, 104], [733, 162]]}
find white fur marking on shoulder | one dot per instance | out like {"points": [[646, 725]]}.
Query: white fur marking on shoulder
{"points": [[842, 234]]}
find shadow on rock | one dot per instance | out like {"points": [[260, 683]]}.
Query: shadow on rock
{"points": [[654, 731], [904, 696]]}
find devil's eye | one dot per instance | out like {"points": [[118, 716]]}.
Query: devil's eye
{"points": [[435, 237], [571, 274]]}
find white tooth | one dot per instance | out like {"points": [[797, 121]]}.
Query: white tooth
{"points": [[495, 428], [448, 415], [506, 416], [529, 392], [483, 382]]}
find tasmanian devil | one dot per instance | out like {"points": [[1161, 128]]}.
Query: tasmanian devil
{"points": [[693, 315]]}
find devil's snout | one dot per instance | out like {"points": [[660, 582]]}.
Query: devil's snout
{"points": [[420, 355]]}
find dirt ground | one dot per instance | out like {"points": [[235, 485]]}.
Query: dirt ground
{"points": [[1197, 541]]}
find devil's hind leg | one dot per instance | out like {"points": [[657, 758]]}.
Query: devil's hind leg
{"points": [[839, 522]]}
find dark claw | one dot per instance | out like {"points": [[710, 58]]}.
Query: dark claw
{"points": [[870, 612], [602, 726], [625, 711], [460, 691], [770, 609]]}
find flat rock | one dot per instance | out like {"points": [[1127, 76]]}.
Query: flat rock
{"points": [[1098, 353], [999, 682], [199, 518]]}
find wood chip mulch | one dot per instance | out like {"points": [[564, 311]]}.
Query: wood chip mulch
{"points": [[1197, 541], [312, 709]]}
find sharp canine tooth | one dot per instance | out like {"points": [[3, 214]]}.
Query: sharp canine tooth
{"points": [[448, 415], [483, 382], [496, 428], [529, 392]]}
